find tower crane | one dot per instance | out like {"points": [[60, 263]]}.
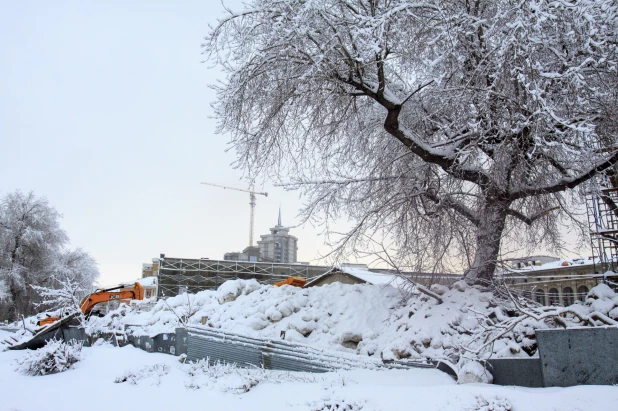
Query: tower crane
{"points": [[252, 195]]}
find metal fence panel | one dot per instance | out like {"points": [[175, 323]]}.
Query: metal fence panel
{"points": [[230, 350], [216, 345]]}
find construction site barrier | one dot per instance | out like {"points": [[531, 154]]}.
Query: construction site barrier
{"points": [[227, 347]]}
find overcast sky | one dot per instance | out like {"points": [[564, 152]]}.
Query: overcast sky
{"points": [[104, 110]]}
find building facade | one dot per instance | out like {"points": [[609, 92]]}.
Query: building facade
{"points": [[251, 253], [278, 246], [559, 282], [150, 269]]}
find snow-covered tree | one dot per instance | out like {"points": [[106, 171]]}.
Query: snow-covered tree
{"points": [[69, 281], [30, 238], [33, 253], [427, 122]]}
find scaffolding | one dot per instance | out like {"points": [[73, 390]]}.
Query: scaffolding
{"points": [[602, 209], [179, 275]]}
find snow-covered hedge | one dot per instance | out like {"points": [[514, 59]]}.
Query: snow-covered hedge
{"points": [[56, 356]]}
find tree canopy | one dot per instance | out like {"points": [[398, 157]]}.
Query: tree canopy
{"points": [[432, 123]]}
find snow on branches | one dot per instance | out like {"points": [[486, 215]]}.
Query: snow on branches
{"points": [[425, 121]]}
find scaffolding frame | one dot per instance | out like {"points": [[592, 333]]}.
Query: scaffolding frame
{"points": [[177, 275], [602, 210]]}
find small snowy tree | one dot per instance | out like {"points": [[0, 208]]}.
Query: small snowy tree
{"points": [[30, 238], [425, 122], [33, 254], [56, 356]]}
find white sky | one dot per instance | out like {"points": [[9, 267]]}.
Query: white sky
{"points": [[104, 110]]}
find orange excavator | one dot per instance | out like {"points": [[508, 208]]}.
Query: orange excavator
{"points": [[136, 292]]}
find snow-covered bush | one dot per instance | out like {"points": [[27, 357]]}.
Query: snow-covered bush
{"points": [[152, 373], [56, 356], [336, 405], [492, 404], [230, 378]]}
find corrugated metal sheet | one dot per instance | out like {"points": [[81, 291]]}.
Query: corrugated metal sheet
{"points": [[216, 345]]}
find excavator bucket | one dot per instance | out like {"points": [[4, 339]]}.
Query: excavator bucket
{"points": [[44, 334], [51, 327]]}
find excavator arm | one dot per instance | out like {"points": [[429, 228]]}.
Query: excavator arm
{"points": [[100, 296]]}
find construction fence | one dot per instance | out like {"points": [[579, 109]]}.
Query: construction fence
{"points": [[226, 347]]}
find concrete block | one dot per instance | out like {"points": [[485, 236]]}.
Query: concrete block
{"points": [[165, 343], [181, 341], [579, 356], [523, 372], [76, 333], [145, 343]]}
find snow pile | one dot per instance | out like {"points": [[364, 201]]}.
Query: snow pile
{"points": [[372, 320], [474, 372], [56, 356], [230, 290]]}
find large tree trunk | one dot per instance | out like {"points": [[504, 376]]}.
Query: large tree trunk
{"points": [[14, 291], [16, 299], [488, 237]]}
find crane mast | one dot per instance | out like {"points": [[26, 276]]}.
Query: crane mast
{"points": [[252, 195]]}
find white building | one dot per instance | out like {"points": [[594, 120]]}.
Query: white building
{"points": [[278, 246]]}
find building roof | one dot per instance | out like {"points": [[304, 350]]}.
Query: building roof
{"points": [[145, 281], [562, 263], [362, 275]]}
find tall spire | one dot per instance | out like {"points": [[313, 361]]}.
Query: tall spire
{"points": [[279, 221]]}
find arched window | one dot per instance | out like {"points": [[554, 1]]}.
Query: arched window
{"points": [[554, 297], [539, 296], [582, 291], [567, 296]]}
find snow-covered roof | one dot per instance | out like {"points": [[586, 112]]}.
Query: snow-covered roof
{"points": [[362, 275], [146, 281], [368, 276], [560, 264], [149, 281]]}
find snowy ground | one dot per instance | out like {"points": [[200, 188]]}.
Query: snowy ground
{"points": [[91, 386]]}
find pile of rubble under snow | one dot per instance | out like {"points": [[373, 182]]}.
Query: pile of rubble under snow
{"points": [[368, 319]]}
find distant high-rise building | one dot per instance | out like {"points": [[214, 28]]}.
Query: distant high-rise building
{"points": [[278, 246], [248, 254]]}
